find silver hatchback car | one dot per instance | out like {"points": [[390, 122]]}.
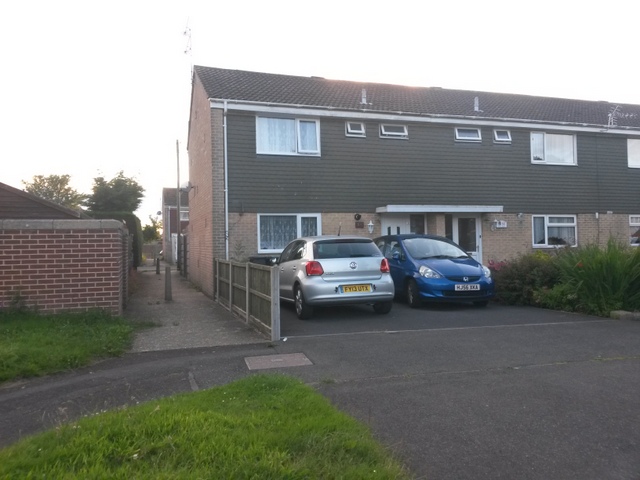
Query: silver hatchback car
{"points": [[334, 270]]}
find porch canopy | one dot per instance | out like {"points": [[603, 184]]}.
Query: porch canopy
{"points": [[440, 209]]}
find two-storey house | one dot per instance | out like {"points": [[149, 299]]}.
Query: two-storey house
{"points": [[273, 157]]}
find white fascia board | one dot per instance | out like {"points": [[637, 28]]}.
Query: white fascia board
{"points": [[309, 111], [440, 209]]}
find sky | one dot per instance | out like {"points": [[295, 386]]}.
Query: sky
{"points": [[90, 89]]}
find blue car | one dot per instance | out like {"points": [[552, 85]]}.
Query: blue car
{"points": [[433, 268]]}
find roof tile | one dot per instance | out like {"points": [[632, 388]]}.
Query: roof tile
{"points": [[239, 85]]}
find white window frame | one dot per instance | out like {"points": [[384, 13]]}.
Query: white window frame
{"points": [[633, 152], [391, 130], [184, 215], [355, 129], [300, 150], [546, 139], [500, 135], [547, 225], [634, 224], [467, 134], [299, 217]]}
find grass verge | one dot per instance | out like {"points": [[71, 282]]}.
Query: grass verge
{"points": [[33, 345], [260, 427]]}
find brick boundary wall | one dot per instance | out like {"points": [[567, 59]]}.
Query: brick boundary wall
{"points": [[56, 266]]}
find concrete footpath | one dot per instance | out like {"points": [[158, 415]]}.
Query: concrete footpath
{"points": [[548, 396], [189, 320]]}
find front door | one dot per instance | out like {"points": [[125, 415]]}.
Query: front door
{"points": [[467, 233], [395, 223]]}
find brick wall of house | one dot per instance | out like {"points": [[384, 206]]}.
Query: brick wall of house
{"points": [[508, 243], [58, 266], [243, 231], [345, 223], [498, 243], [243, 236], [205, 134]]}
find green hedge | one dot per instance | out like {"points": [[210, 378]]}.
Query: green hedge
{"points": [[590, 279]]}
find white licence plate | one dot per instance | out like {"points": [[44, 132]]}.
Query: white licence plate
{"points": [[465, 287]]}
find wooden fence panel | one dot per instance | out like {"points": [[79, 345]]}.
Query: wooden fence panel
{"points": [[252, 291]]}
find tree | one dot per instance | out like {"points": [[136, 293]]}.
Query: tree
{"points": [[151, 232], [120, 194], [55, 188]]}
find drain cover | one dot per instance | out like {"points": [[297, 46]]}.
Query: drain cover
{"points": [[277, 361]]}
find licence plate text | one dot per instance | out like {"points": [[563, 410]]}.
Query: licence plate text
{"points": [[356, 288], [465, 287]]}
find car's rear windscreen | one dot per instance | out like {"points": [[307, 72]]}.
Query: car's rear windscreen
{"points": [[347, 248]]}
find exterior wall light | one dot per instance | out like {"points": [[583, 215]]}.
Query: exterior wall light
{"points": [[370, 226]]}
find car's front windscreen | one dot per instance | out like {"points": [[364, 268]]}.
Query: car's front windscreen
{"points": [[423, 248]]}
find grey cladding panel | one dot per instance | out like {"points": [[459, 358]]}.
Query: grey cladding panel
{"points": [[430, 167]]}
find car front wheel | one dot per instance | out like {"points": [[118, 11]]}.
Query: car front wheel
{"points": [[303, 310], [382, 307], [413, 295]]}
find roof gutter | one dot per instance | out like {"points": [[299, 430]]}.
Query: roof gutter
{"points": [[440, 209], [319, 111]]}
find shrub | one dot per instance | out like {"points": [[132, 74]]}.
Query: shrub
{"points": [[588, 279], [602, 279], [559, 297], [517, 281]]}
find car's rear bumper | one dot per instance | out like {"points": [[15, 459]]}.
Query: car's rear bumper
{"points": [[323, 293], [349, 300]]}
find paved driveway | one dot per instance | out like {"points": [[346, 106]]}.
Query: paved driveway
{"points": [[466, 393], [361, 318]]}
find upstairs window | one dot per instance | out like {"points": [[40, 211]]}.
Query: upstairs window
{"points": [[393, 131], [553, 149], [184, 215], [355, 129], [634, 230], [554, 230], [287, 136], [501, 136], [468, 135], [633, 152]]}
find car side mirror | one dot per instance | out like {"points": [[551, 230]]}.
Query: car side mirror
{"points": [[396, 255]]}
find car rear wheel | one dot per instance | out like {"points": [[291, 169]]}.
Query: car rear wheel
{"points": [[303, 310], [382, 307], [481, 303], [413, 295]]}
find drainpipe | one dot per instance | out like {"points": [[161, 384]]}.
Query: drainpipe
{"points": [[226, 184]]}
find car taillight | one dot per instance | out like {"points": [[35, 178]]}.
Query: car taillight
{"points": [[384, 266], [314, 268]]}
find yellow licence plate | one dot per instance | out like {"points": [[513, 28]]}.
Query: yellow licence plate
{"points": [[356, 288]]}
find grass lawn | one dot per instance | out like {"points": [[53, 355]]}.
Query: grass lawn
{"points": [[260, 427], [32, 345]]}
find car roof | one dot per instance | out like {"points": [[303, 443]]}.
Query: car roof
{"points": [[334, 237], [402, 236]]}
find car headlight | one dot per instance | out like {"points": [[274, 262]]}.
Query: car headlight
{"points": [[487, 272], [428, 273]]}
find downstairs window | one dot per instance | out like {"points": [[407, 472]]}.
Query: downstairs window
{"points": [[554, 230], [634, 230], [276, 231]]}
